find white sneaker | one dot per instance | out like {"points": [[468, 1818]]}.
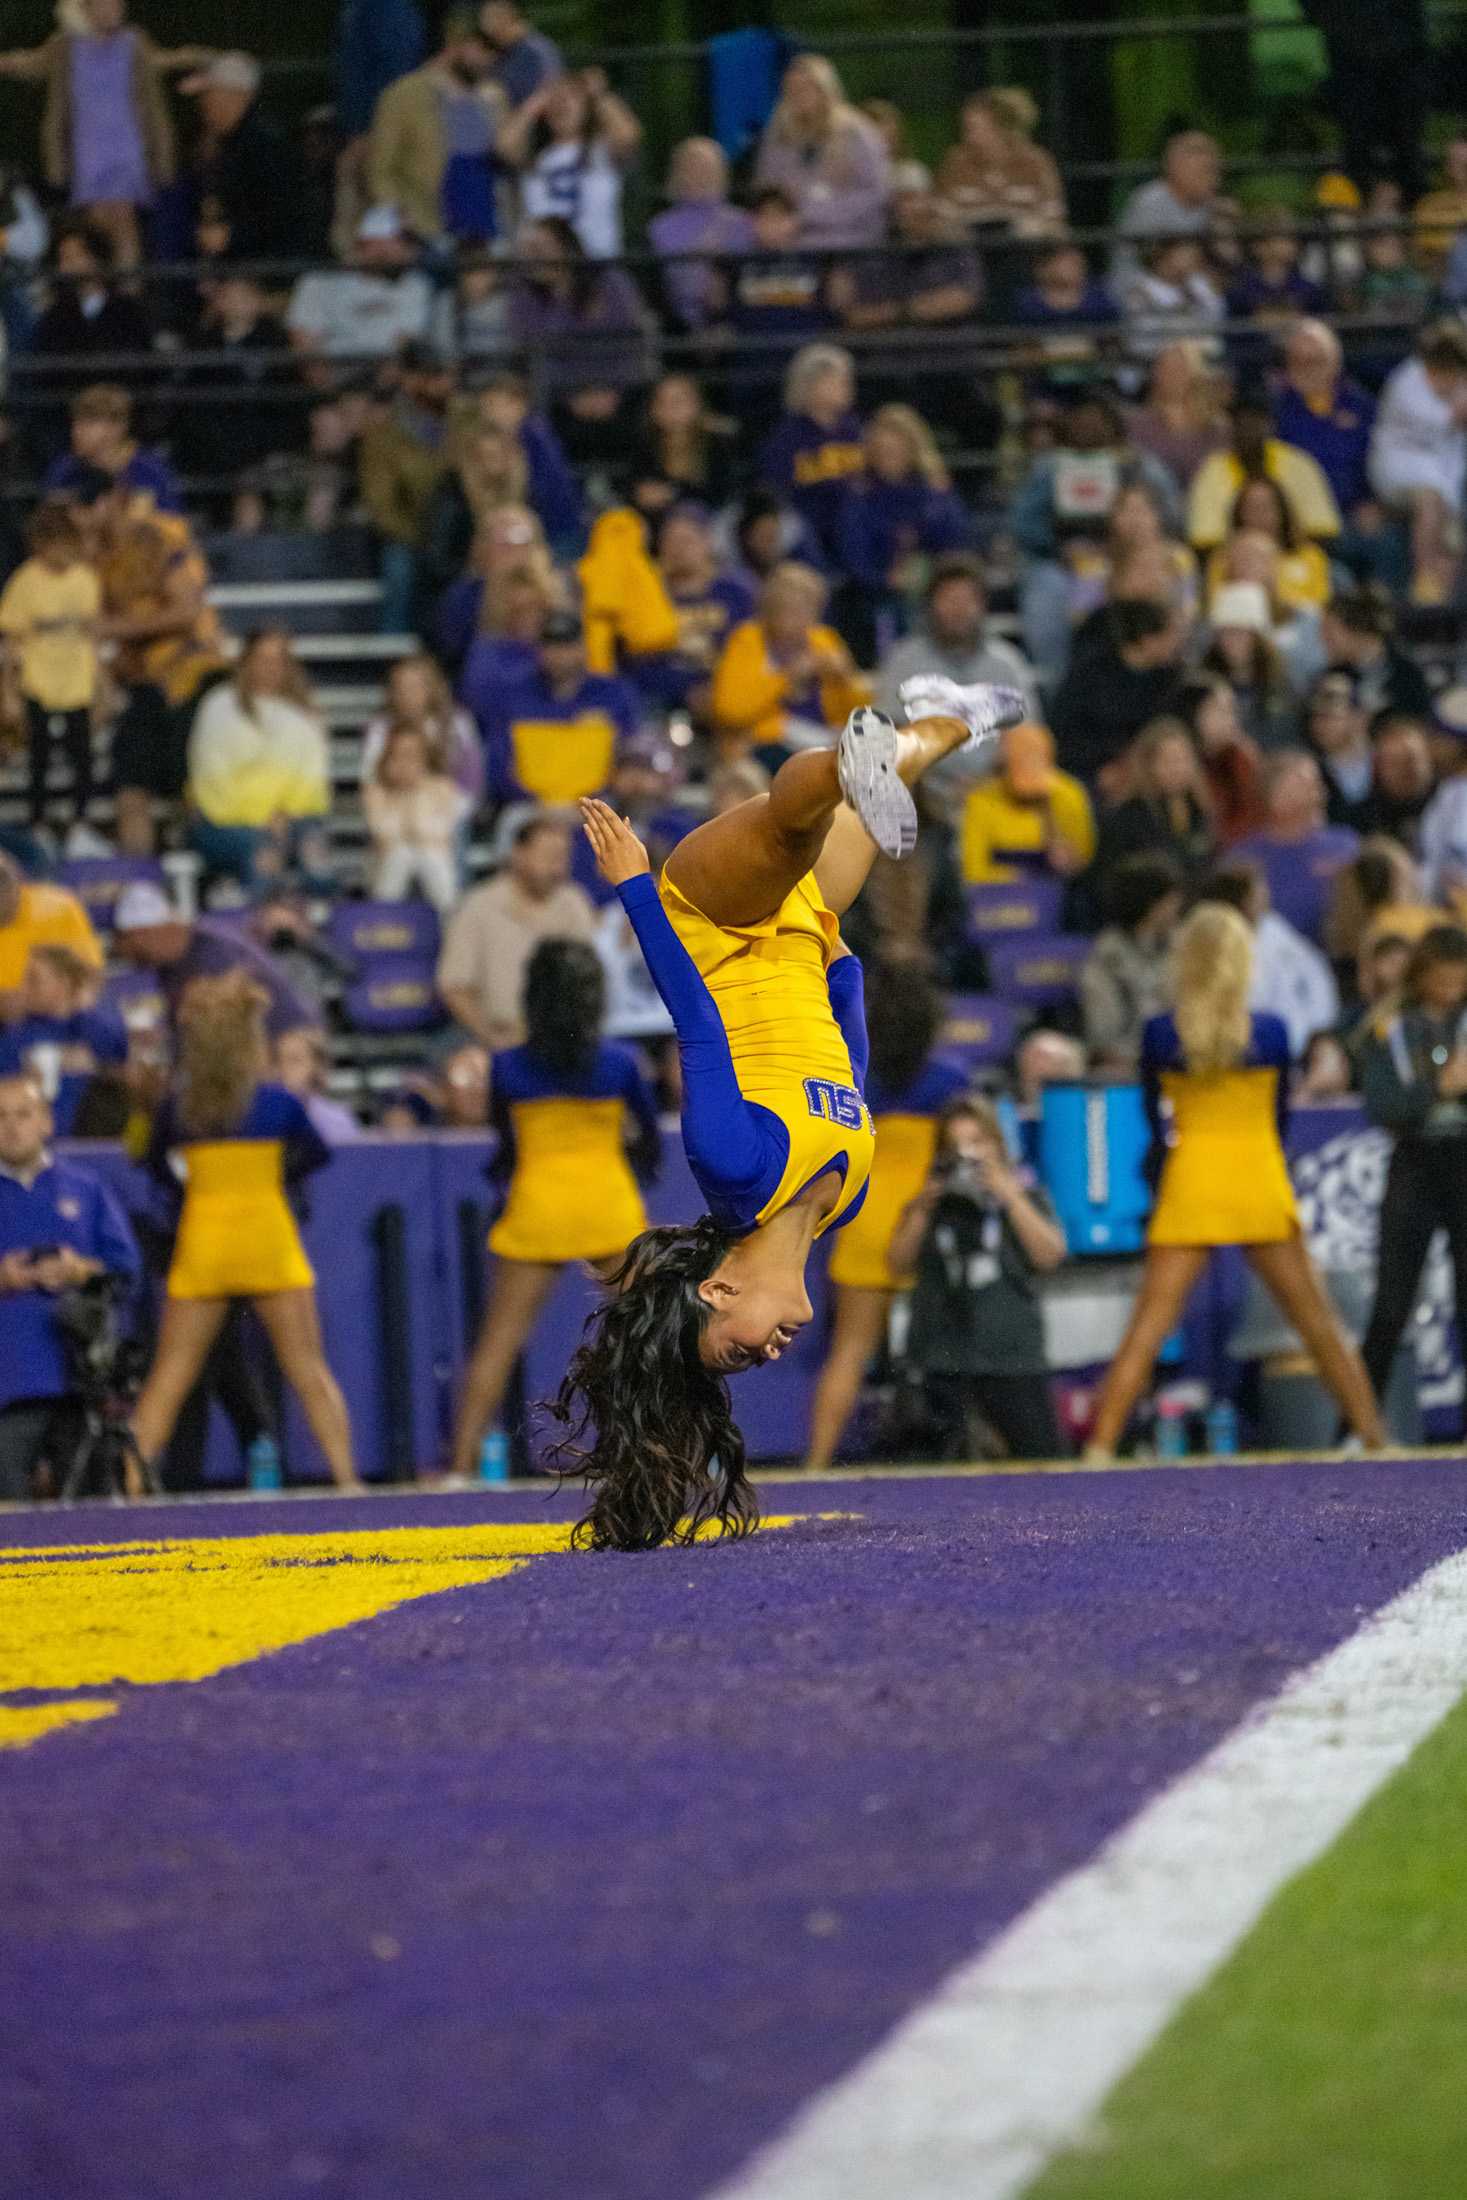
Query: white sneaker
{"points": [[986, 710], [866, 756]]}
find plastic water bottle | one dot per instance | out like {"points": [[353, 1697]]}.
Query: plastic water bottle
{"points": [[262, 1465], [1222, 1428], [494, 1457], [1171, 1427]]}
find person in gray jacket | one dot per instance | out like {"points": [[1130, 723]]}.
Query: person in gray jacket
{"points": [[1124, 980], [954, 642]]}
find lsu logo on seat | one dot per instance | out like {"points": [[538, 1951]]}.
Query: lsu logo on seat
{"points": [[832, 1103]]}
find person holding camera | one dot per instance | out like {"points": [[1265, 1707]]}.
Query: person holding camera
{"points": [[979, 1239], [61, 1233]]}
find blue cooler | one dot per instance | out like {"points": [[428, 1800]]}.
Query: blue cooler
{"points": [[1092, 1149]]}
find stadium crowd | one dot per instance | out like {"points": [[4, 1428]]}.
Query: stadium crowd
{"points": [[653, 509]]}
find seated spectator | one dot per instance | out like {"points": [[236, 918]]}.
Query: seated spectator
{"points": [[1442, 211], [1254, 449], [928, 279], [783, 680], [484, 474], [1291, 978], [1045, 1057], [1231, 763], [1121, 683], [88, 317], [1320, 410], [1124, 978], [414, 813], [763, 532], [817, 448], [1271, 291], [1167, 811], [258, 769], [585, 327], [435, 136], [237, 414], [418, 698], [495, 930], [1418, 456], [1182, 201], [684, 450], [301, 1061], [1444, 822], [777, 295], [170, 646], [151, 933], [1332, 260], [1297, 850], [405, 453], [501, 634], [50, 613], [1301, 574], [1394, 294], [899, 514], [1242, 651], [1180, 422], [62, 1037], [554, 490], [1132, 555], [59, 1228], [1358, 633], [828, 157], [709, 603], [996, 178], [247, 165], [1337, 730], [471, 322], [102, 439], [1071, 315], [573, 141], [1171, 297], [369, 309], [554, 736], [1027, 818], [33, 916], [1402, 780], [524, 57], [697, 230], [1379, 885], [953, 640]]}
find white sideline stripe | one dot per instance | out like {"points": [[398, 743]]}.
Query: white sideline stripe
{"points": [[973, 2093]]}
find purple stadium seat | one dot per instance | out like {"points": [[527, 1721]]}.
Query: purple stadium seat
{"points": [[1028, 905], [1039, 970], [980, 1031], [362, 929], [394, 993], [97, 882]]}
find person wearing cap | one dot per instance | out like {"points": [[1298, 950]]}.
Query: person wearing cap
{"points": [[1029, 819], [404, 455], [495, 930], [554, 736], [150, 933], [1243, 650], [368, 310], [432, 148], [31, 916], [1254, 448], [246, 166]]}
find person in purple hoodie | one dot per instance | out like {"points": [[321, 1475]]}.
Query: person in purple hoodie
{"points": [[897, 515], [816, 450], [697, 229]]}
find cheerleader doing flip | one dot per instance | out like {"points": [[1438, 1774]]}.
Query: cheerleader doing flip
{"points": [[743, 941]]}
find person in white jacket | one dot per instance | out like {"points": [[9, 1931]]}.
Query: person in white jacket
{"points": [[413, 811], [259, 770], [1418, 455], [1291, 978]]}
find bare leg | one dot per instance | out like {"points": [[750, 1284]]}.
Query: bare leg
{"points": [[186, 1336], [1294, 1281], [860, 1317], [1167, 1281], [521, 1288], [739, 868], [292, 1322]]}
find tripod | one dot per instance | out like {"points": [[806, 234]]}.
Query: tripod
{"points": [[104, 1450]]}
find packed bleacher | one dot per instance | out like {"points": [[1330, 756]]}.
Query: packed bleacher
{"points": [[371, 496]]}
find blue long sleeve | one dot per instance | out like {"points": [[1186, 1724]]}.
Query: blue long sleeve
{"points": [[845, 982]]}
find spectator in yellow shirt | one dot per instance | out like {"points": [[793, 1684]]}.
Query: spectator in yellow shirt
{"points": [[783, 681], [258, 769], [1029, 819], [36, 916], [1254, 450], [1301, 574], [48, 618]]}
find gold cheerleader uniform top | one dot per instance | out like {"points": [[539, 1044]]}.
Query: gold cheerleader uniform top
{"points": [[571, 1192], [771, 1031], [906, 1143], [237, 1236], [1220, 1134]]}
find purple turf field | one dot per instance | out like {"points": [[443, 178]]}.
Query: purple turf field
{"points": [[574, 1885]]}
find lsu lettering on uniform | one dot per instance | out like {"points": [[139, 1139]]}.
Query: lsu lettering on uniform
{"points": [[563, 1151], [906, 1143], [771, 1029], [237, 1236], [1224, 1179]]}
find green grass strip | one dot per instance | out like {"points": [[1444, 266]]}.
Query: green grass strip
{"points": [[1327, 2059]]}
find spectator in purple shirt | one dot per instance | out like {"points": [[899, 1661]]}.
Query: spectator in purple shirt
{"points": [[585, 328], [1320, 410], [699, 221], [526, 58], [1297, 851], [102, 437], [897, 516], [709, 604], [150, 932], [830, 158], [1071, 314], [817, 449]]}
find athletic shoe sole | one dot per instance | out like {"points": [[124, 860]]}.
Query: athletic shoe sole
{"points": [[866, 760], [986, 710]]}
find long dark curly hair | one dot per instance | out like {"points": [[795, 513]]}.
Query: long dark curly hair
{"points": [[648, 1425], [565, 998]]}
